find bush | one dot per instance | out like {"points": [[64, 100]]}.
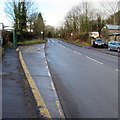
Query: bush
{"points": [[25, 36], [84, 37]]}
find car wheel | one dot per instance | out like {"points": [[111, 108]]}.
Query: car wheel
{"points": [[94, 45], [118, 49]]}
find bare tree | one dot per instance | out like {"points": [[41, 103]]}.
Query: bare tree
{"points": [[110, 8], [19, 11]]}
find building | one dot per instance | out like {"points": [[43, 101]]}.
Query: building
{"points": [[111, 32]]}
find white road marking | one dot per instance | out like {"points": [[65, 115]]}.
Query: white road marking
{"points": [[46, 62], [59, 109], [43, 54], [46, 66], [69, 49], [94, 60], [77, 52], [49, 74], [53, 87], [117, 70]]}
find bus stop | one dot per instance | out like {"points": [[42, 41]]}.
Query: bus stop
{"points": [[7, 28]]}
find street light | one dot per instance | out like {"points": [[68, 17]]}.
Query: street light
{"points": [[42, 34], [71, 35], [59, 35]]}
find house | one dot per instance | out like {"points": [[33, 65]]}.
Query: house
{"points": [[111, 32]]}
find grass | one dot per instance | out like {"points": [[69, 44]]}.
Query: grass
{"points": [[33, 41], [78, 42], [2, 51]]}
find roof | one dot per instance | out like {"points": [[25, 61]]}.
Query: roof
{"points": [[115, 34], [113, 27]]}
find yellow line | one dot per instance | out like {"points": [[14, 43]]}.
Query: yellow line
{"points": [[38, 98]]}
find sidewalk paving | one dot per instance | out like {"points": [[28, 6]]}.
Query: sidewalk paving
{"points": [[36, 62], [17, 100]]}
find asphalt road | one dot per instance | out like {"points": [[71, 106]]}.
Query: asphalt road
{"points": [[86, 80]]}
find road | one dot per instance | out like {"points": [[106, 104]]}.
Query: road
{"points": [[86, 80]]}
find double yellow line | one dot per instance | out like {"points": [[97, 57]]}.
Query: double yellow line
{"points": [[42, 109]]}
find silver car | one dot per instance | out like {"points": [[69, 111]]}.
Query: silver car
{"points": [[114, 45]]}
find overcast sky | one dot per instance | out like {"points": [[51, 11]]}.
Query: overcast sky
{"points": [[53, 11]]}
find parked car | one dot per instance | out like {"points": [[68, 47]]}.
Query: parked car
{"points": [[114, 45], [98, 42]]}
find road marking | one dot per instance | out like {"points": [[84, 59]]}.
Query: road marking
{"points": [[57, 101], [94, 60], [77, 52], [46, 66], [45, 62], [117, 70], [38, 98], [69, 49], [53, 87], [49, 74], [59, 109], [44, 54]]}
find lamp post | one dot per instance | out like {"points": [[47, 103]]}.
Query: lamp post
{"points": [[42, 35], [71, 35], [59, 35]]}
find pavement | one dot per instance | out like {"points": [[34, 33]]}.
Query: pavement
{"points": [[17, 100], [36, 65], [86, 80]]}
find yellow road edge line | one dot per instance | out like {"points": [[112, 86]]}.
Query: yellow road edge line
{"points": [[42, 109]]}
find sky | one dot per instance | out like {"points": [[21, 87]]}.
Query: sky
{"points": [[53, 11]]}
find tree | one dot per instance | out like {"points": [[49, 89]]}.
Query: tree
{"points": [[112, 20], [50, 31], [19, 11], [110, 8], [39, 25], [32, 20], [82, 19]]}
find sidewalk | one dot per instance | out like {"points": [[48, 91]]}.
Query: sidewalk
{"points": [[35, 64], [17, 100]]}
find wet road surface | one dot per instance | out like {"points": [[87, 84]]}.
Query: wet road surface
{"points": [[86, 80]]}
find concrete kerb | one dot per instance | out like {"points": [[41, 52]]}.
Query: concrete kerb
{"points": [[41, 107]]}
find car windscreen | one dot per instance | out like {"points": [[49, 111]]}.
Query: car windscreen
{"points": [[99, 40], [118, 43]]}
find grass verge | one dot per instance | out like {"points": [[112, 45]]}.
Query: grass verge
{"points": [[2, 51], [78, 42], [33, 41]]}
